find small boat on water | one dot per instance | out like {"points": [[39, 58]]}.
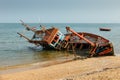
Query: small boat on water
{"points": [[77, 42], [105, 29]]}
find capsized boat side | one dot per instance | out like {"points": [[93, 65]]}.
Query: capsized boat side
{"points": [[77, 42]]}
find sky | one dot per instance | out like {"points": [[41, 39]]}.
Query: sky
{"points": [[60, 11]]}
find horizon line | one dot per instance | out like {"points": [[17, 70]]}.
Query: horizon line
{"points": [[68, 22]]}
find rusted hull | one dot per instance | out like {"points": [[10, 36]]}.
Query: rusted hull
{"points": [[81, 47]]}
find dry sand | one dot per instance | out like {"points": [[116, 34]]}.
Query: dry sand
{"points": [[101, 68]]}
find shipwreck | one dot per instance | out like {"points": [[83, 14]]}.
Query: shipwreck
{"points": [[80, 43]]}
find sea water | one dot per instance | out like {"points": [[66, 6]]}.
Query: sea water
{"points": [[15, 50]]}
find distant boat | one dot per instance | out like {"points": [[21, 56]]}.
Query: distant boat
{"points": [[105, 29]]}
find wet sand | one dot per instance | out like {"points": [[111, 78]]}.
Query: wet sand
{"points": [[101, 68]]}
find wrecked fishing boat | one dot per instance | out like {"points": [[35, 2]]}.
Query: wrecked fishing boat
{"points": [[80, 43]]}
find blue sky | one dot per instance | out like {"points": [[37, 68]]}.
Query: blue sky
{"points": [[60, 11]]}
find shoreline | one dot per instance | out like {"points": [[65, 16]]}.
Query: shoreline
{"points": [[90, 68], [30, 66]]}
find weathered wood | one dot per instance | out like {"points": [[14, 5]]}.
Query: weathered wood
{"points": [[21, 35]]}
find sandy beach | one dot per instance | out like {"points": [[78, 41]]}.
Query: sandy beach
{"points": [[100, 68]]}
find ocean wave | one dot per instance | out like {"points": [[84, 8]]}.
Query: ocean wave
{"points": [[12, 41], [36, 48], [21, 49]]}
